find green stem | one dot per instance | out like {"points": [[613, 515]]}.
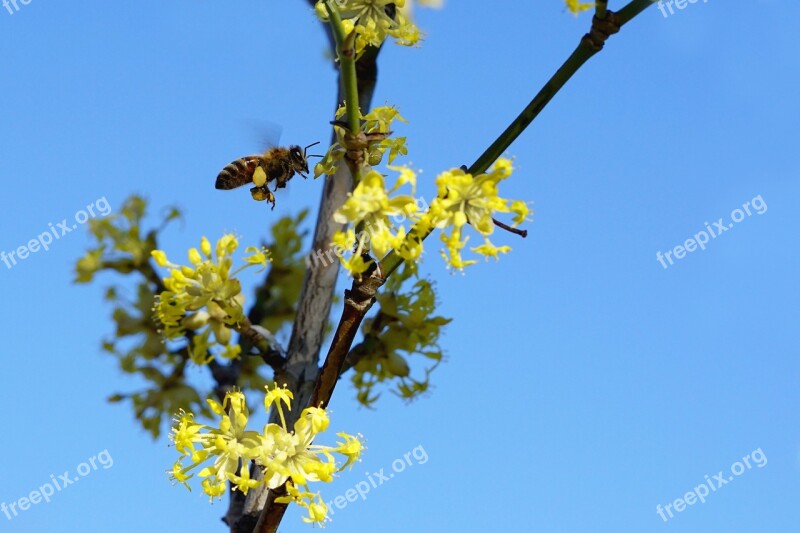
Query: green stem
{"points": [[345, 51], [574, 62], [631, 10], [600, 9]]}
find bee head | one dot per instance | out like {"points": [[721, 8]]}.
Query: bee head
{"points": [[298, 158]]}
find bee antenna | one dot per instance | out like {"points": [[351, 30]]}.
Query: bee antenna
{"points": [[315, 155], [309, 146]]}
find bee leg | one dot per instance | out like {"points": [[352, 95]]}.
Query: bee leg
{"points": [[261, 194]]}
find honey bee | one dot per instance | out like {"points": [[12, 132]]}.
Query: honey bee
{"points": [[277, 164]]}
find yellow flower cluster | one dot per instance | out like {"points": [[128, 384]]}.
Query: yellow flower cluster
{"points": [[282, 455], [461, 199], [373, 21], [205, 297], [375, 126], [466, 199], [368, 209]]}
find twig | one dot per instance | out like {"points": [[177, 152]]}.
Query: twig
{"points": [[268, 349], [521, 232]]}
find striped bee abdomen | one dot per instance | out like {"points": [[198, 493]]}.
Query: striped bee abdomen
{"points": [[238, 173]]}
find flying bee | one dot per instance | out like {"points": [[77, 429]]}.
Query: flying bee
{"points": [[276, 164]]}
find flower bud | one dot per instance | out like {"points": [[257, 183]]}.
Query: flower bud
{"points": [[196, 320], [160, 257], [374, 158], [221, 332], [205, 246], [194, 256], [397, 365]]}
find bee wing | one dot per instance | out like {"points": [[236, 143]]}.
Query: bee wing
{"points": [[266, 134], [238, 173]]}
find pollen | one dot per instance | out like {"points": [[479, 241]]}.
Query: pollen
{"points": [[259, 177]]}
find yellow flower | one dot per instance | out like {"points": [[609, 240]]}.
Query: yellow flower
{"points": [[454, 245], [490, 250], [576, 6], [277, 395], [186, 433], [291, 455], [259, 256], [244, 482], [229, 444], [407, 175], [317, 513], [373, 20], [232, 442], [214, 488], [351, 448], [178, 473], [317, 417], [317, 510]]}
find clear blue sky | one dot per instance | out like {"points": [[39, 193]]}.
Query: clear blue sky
{"points": [[585, 383]]}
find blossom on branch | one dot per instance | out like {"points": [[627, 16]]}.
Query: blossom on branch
{"points": [[368, 210], [205, 297], [283, 456], [466, 199], [375, 129], [373, 21]]}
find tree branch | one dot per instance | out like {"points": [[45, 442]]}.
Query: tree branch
{"points": [[361, 296], [313, 309]]}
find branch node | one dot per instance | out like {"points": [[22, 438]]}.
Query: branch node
{"points": [[602, 29]]}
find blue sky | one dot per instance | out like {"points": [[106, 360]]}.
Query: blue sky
{"points": [[585, 384]]}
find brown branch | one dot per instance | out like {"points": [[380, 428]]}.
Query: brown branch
{"points": [[358, 301], [267, 348], [313, 311], [371, 340]]}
